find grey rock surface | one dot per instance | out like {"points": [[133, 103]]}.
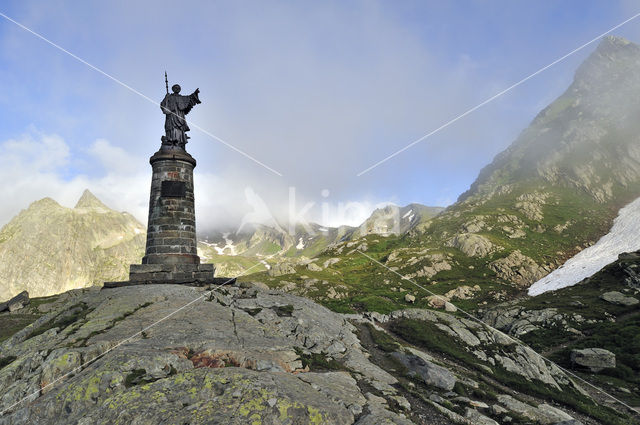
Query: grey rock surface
{"points": [[518, 269], [472, 245], [16, 303], [430, 373], [616, 297], [129, 355], [542, 414], [595, 359], [281, 269], [482, 341]]}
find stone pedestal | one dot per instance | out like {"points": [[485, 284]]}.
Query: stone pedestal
{"points": [[172, 248], [171, 254], [171, 231]]}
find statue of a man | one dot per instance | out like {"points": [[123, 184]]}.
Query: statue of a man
{"points": [[175, 106]]}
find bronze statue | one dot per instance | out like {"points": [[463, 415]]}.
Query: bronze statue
{"points": [[175, 106]]}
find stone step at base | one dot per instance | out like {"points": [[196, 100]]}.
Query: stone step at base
{"points": [[216, 281], [171, 272]]}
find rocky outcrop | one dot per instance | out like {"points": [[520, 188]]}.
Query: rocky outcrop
{"points": [[429, 372], [518, 269], [542, 414], [473, 245], [463, 292], [494, 353], [615, 297], [531, 204], [435, 264], [281, 269], [314, 267], [594, 359], [490, 347], [240, 355], [16, 303]]}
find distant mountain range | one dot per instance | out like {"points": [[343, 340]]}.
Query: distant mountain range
{"points": [[47, 248], [312, 240]]}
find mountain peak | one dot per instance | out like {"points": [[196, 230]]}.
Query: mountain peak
{"points": [[612, 49], [613, 41], [89, 200], [614, 57], [44, 203]]}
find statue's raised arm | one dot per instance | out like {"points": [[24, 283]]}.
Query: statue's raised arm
{"points": [[175, 106]]}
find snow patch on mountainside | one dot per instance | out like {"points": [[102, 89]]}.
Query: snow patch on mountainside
{"points": [[624, 236], [221, 250]]}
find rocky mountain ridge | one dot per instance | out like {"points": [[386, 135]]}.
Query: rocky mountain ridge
{"points": [[312, 240], [587, 139], [553, 193], [47, 248]]}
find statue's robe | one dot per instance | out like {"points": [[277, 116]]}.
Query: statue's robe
{"points": [[175, 107]]}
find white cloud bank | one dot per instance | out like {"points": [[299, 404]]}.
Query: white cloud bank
{"points": [[38, 165]]}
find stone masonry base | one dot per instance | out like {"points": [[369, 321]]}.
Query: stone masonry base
{"points": [[197, 272], [189, 274]]}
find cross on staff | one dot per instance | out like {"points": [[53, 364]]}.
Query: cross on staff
{"points": [[166, 82]]}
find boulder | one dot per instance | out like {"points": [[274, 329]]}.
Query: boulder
{"points": [[314, 267], [478, 418], [518, 269], [330, 262], [430, 373], [543, 414], [437, 301], [281, 269], [410, 298], [17, 302], [450, 307], [615, 297], [595, 359], [463, 292], [472, 245]]}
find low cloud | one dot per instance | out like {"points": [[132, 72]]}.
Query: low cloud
{"points": [[38, 164]]}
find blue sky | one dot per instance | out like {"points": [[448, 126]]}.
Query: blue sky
{"points": [[318, 91]]}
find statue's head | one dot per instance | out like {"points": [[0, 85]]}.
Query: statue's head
{"points": [[176, 88]]}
